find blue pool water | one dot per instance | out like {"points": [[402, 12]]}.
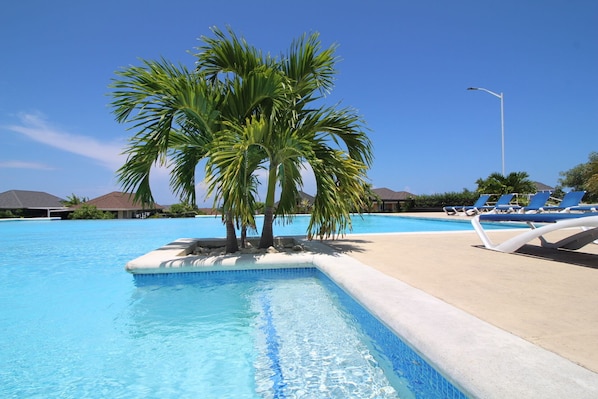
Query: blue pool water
{"points": [[73, 324]]}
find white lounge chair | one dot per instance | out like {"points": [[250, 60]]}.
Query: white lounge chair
{"points": [[588, 222]]}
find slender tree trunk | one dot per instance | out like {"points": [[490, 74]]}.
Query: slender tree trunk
{"points": [[231, 235], [267, 238], [243, 236]]}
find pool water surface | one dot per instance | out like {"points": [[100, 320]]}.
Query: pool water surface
{"points": [[75, 325]]}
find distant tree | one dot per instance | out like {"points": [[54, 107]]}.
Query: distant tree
{"points": [[74, 200], [466, 197], [515, 182], [303, 206], [259, 207], [183, 210], [583, 177], [90, 212]]}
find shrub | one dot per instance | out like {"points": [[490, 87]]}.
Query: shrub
{"points": [[182, 210], [90, 212], [451, 198], [8, 214]]}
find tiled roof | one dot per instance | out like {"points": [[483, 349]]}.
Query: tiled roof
{"points": [[388, 194], [306, 197], [118, 201], [543, 187], [23, 199]]}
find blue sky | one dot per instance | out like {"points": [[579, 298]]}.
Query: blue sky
{"points": [[405, 66]]}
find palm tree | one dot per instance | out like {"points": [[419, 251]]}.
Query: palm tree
{"points": [[514, 182], [176, 114], [253, 88], [283, 133], [73, 199], [242, 111]]}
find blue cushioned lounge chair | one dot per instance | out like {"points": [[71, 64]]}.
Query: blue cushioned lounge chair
{"points": [[536, 203], [504, 200], [588, 222], [455, 209], [572, 198]]}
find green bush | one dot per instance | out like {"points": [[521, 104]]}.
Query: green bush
{"points": [[451, 198], [182, 210], [8, 214], [90, 212]]}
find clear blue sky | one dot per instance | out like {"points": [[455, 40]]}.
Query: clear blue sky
{"points": [[405, 67]]}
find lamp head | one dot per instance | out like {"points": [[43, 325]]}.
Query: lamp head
{"points": [[472, 88]]}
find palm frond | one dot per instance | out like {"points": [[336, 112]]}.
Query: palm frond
{"points": [[227, 53], [311, 68]]}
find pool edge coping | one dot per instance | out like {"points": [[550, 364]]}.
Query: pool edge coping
{"points": [[490, 363]]}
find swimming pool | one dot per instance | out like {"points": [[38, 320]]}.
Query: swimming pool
{"points": [[74, 324], [290, 333]]}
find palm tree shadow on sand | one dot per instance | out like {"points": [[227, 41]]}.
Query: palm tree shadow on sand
{"points": [[347, 245]]}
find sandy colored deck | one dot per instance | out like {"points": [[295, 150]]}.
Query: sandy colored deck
{"points": [[545, 296]]}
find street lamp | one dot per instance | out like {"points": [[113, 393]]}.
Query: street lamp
{"points": [[502, 120]]}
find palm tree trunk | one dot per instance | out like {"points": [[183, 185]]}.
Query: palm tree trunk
{"points": [[244, 236], [267, 237], [231, 236]]}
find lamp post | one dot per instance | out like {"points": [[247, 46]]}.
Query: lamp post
{"points": [[502, 120]]}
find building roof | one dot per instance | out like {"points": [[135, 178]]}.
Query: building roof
{"points": [[387, 194], [24, 199], [117, 201], [306, 197], [543, 187]]}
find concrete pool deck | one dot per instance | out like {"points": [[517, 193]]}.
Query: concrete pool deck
{"points": [[545, 296], [497, 325]]}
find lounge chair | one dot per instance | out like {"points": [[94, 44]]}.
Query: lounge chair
{"points": [[584, 208], [588, 222], [455, 209], [504, 200], [536, 203], [571, 199]]}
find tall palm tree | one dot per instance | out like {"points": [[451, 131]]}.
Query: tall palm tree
{"points": [[178, 114], [282, 135], [254, 88], [175, 116], [242, 111]]}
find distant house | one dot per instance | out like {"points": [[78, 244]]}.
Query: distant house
{"points": [[387, 200], [304, 203], [28, 204], [122, 205], [542, 187]]}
